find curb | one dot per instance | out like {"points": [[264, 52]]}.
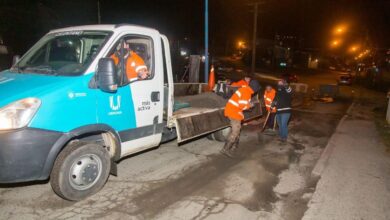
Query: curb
{"points": [[325, 155]]}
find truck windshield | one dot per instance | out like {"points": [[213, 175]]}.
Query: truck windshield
{"points": [[64, 53]]}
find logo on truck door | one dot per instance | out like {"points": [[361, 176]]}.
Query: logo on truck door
{"points": [[115, 106]]}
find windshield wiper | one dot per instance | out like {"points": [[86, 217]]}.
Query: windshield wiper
{"points": [[16, 69], [43, 69]]}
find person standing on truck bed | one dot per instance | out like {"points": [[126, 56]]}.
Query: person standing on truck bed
{"points": [[243, 82], [282, 102], [136, 68], [239, 102]]}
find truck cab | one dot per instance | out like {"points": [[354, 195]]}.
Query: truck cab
{"points": [[69, 111]]}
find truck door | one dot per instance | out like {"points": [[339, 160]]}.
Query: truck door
{"points": [[136, 109]]}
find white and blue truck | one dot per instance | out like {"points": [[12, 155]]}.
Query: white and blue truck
{"points": [[68, 114]]}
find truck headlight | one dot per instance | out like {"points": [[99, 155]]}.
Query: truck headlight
{"points": [[18, 114]]}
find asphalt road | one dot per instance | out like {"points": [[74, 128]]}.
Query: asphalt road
{"points": [[268, 180]]}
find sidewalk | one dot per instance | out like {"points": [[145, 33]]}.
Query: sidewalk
{"points": [[355, 181]]}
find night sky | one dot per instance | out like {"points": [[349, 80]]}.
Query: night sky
{"points": [[22, 22]]}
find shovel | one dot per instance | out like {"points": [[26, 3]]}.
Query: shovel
{"points": [[266, 120]]}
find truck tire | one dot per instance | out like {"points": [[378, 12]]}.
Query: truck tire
{"points": [[80, 170], [211, 137], [222, 135]]}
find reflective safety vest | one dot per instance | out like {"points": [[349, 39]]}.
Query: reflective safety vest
{"points": [[239, 102], [134, 64], [240, 83], [268, 98]]}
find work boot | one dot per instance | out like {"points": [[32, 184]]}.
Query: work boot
{"points": [[284, 140], [226, 150], [227, 154], [234, 146]]}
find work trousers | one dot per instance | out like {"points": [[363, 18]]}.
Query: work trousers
{"points": [[234, 135], [282, 120]]}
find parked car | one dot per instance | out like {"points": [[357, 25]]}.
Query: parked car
{"points": [[345, 79], [290, 78]]}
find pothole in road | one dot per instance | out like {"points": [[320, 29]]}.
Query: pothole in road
{"points": [[246, 180], [161, 197], [248, 184]]}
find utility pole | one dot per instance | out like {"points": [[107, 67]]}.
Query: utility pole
{"points": [[254, 39], [206, 41], [98, 12]]}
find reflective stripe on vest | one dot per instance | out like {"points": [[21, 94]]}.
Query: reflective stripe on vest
{"points": [[233, 103], [140, 67], [282, 109]]}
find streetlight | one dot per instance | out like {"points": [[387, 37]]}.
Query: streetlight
{"points": [[339, 29], [354, 48], [241, 44], [99, 18], [335, 43], [206, 41]]}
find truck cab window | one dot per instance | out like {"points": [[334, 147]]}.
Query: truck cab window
{"points": [[64, 53], [133, 56]]}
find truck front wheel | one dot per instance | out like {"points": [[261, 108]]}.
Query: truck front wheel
{"points": [[222, 135], [80, 170]]}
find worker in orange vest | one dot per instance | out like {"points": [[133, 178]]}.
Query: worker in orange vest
{"points": [[243, 82], [239, 102], [269, 95], [135, 67]]}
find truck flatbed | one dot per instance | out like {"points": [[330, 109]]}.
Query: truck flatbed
{"points": [[205, 113]]}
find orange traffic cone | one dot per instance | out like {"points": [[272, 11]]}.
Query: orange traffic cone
{"points": [[211, 78]]}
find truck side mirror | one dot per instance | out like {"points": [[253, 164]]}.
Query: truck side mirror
{"points": [[107, 79], [15, 59]]}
